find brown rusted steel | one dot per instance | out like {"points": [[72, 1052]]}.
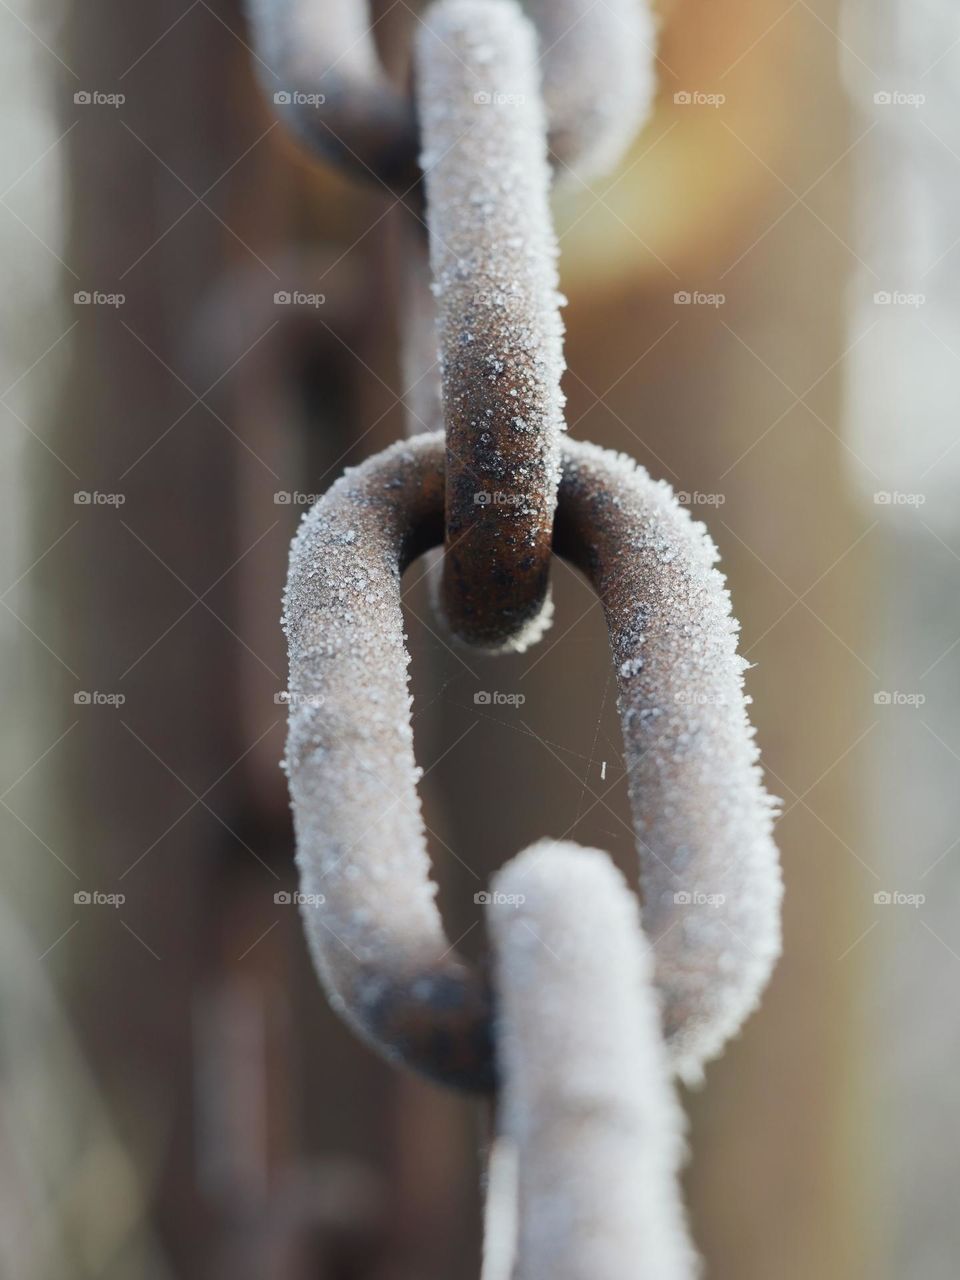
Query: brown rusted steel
{"points": [[376, 938], [318, 65], [709, 877], [493, 253]]}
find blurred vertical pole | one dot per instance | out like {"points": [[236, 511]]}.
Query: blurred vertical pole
{"points": [[901, 68], [131, 420]]}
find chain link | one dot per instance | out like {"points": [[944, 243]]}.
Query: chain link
{"points": [[702, 819], [493, 255], [586, 1106], [317, 61], [318, 64]]}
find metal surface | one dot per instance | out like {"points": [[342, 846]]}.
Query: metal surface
{"points": [[318, 64], [598, 79], [703, 822], [502, 493], [493, 253], [492, 246]]}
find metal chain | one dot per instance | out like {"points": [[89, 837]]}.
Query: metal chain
{"points": [[702, 819], [318, 62], [493, 254], [587, 1110], [492, 244], [502, 491]]}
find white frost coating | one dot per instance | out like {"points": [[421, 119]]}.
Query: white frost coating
{"points": [[492, 246], [493, 253], [597, 61], [585, 1081], [708, 867], [500, 1211], [599, 78], [361, 844], [319, 66]]}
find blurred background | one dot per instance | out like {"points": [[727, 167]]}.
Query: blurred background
{"points": [[763, 311]]}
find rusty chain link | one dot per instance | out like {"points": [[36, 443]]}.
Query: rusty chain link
{"points": [[493, 256], [492, 244], [318, 62], [592, 1129], [502, 490], [702, 820]]}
